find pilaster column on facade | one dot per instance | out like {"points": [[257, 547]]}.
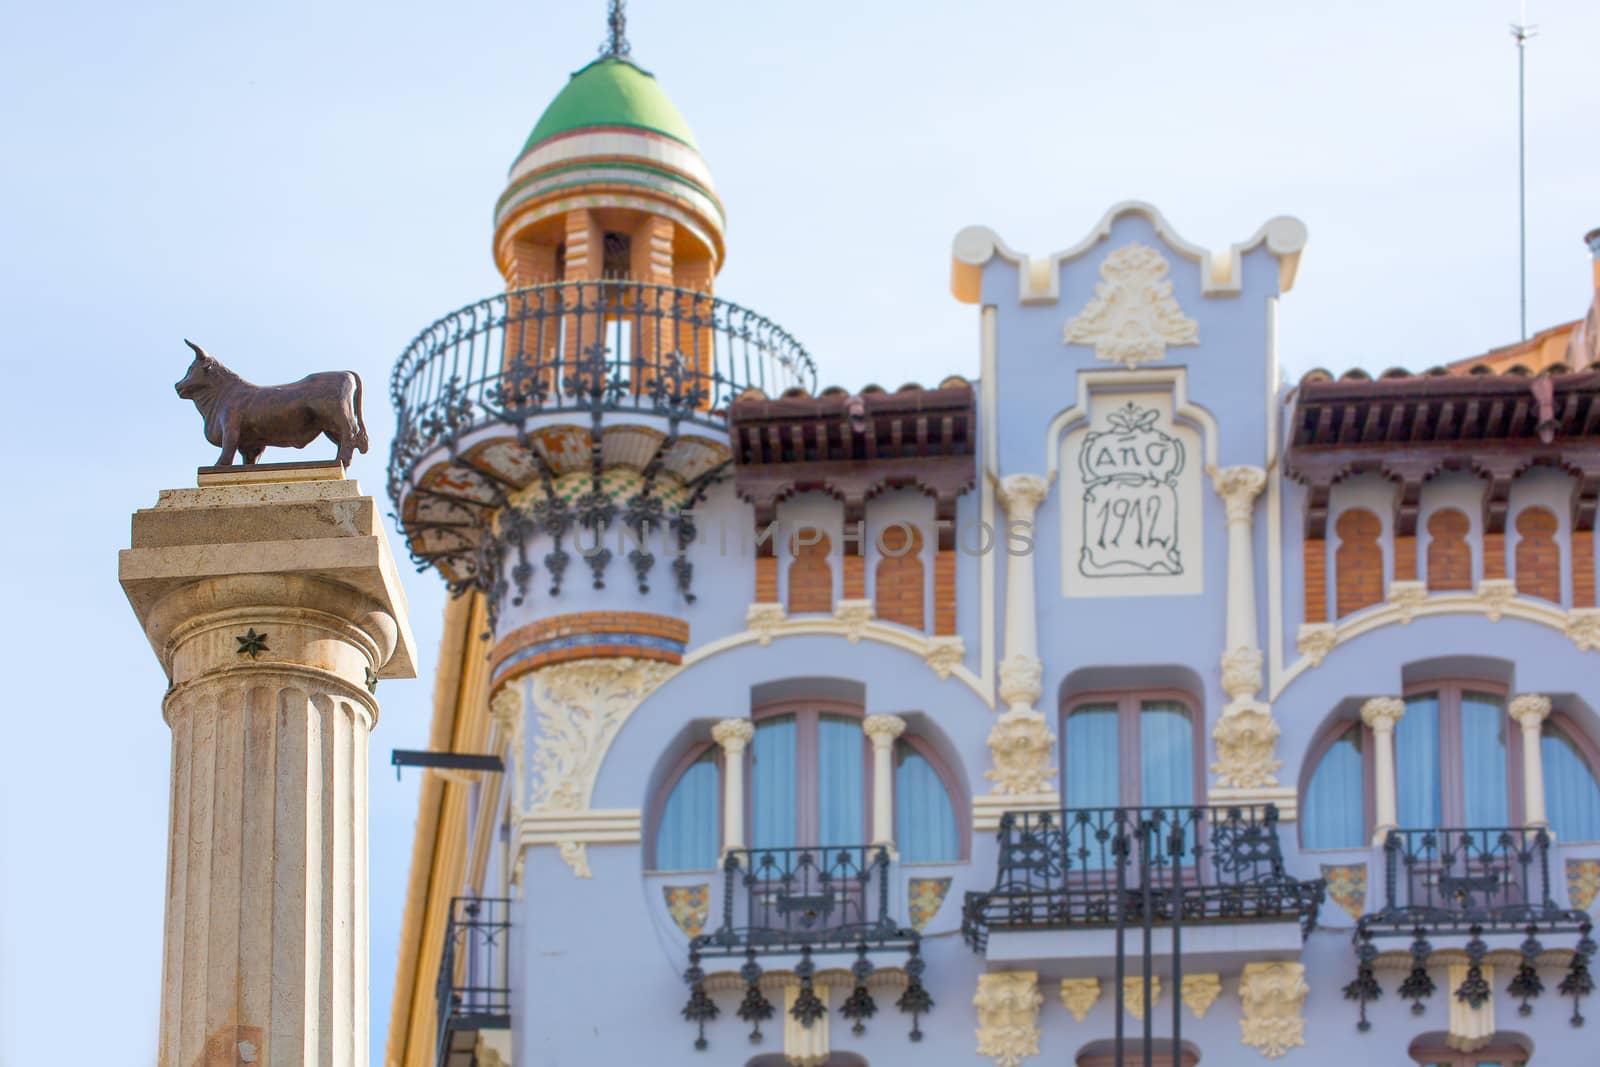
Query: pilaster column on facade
{"points": [[1238, 487], [1529, 711], [733, 737], [1020, 495], [272, 601], [882, 730], [1382, 714]]}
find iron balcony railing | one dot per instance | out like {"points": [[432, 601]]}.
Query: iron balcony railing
{"points": [[473, 990], [1469, 882], [1116, 867], [584, 346], [803, 902]]}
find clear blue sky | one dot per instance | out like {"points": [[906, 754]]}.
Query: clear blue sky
{"points": [[304, 186]]}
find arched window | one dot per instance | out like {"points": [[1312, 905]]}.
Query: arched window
{"points": [[1571, 794], [1129, 749], [686, 836], [808, 783], [1333, 813]]}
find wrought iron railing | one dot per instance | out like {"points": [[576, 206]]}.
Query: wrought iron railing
{"points": [[1103, 867], [473, 989], [584, 346], [805, 902], [1470, 881]]}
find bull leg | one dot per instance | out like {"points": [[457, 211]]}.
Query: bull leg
{"points": [[226, 459], [347, 450], [251, 454]]}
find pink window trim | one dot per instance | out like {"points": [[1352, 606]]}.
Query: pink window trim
{"points": [[1330, 732], [1128, 702], [1507, 1055], [958, 797], [1588, 751]]}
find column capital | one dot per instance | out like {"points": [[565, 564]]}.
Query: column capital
{"points": [[1021, 495], [1529, 709], [1238, 487], [1382, 713], [506, 707], [883, 729], [733, 734]]}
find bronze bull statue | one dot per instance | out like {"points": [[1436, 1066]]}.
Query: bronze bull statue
{"points": [[245, 418]]}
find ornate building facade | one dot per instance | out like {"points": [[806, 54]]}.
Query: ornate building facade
{"points": [[1126, 701]]}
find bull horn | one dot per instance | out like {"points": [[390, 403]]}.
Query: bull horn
{"points": [[202, 353]]}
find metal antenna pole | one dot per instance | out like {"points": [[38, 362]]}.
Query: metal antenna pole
{"points": [[1520, 32], [617, 30]]}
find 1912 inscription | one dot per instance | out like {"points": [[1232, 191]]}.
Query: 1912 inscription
{"points": [[1130, 497]]}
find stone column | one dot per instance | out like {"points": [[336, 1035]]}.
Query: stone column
{"points": [[1382, 714], [733, 735], [1021, 741], [882, 731], [1238, 487], [1530, 711], [272, 601]]}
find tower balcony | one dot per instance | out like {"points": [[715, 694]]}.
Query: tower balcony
{"points": [[562, 410], [473, 990]]}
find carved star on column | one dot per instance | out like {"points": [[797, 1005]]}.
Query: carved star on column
{"points": [[251, 643], [372, 681]]}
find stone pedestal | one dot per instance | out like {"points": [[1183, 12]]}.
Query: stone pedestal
{"points": [[272, 601]]}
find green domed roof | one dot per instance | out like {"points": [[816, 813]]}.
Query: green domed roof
{"points": [[611, 91]]}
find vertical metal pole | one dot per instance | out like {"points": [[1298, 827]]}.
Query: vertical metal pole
{"points": [[1520, 32], [1120, 848], [1147, 831], [1175, 848]]}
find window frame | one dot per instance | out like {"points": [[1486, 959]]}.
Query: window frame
{"points": [[808, 803], [956, 796], [1588, 755], [1452, 786], [1129, 702], [663, 792]]}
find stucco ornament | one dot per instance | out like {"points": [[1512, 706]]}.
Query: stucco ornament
{"points": [[1583, 627], [1078, 995], [1133, 995], [1408, 597], [1021, 744], [1272, 997], [854, 614], [1493, 594], [579, 708], [1132, 317], [1021, 681], [1246, 737], [1315, 640], [944, 655], [1382, 713], [1241, 672], [763, 620], [1008, 1005], [1238, 487], [1529, 710], [1021, 495], [1472, 1026], [1200, 991], [506, 710]]}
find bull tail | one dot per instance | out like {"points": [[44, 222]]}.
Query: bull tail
{"points": [[361, 423]]}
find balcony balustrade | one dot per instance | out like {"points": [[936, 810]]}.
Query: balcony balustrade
{"points": [[1461, 884], [473, 988], [788, 905]]}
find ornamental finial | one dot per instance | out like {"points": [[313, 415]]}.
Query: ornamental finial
{"points": [[617, 22]]}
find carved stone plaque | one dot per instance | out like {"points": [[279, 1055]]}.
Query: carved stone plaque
{"points": [[1131, 500]]}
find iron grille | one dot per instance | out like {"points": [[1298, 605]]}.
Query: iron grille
{"points": [[473, 989]]}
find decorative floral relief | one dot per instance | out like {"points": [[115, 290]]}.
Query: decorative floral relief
{"points": [[1583, 882], [1008, 1005], [1315, 640], [689, 906], [1494, 594], [926, 896], [1200, 991], [1133, 995], [1408, 597], [1021, 744], [1078, 995], [1132, 317], [1347, 886], [1021, 678], [579, 708], [1583, 627], [1273, 996], [855, 614], [763, 620], [1246, 738], [944, 654]]}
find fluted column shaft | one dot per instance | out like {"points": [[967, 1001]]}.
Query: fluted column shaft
{"points": [[1020, 672], [882, 730], [733, 735], [272, 662], [1530, 711], [1238, 487], [1382, 714]]}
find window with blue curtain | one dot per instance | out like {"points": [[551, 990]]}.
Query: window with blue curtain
{"points": [[1416, 760], [774, 781], [841, 781], [925, 820], [686, 840], [1166, 754], [1092, 762], [1571, 795], [1332, 815], [1483, 760]]}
